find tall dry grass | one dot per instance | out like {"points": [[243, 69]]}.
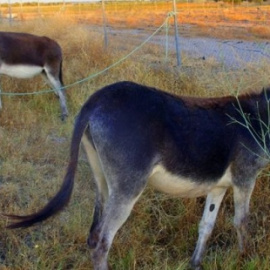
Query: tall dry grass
{"points": [[162, 231]]}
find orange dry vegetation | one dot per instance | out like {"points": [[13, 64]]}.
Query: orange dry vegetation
{"points": [[208, 19]]}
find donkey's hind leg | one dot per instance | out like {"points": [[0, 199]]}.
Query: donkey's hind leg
{"points": [[124, 189], [52, 77], [116, 212], [126, 177]]}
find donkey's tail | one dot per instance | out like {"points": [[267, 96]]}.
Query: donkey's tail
{"points": [[61, 199]]}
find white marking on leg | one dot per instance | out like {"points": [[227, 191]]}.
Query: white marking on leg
{"points": [[213, 201]]}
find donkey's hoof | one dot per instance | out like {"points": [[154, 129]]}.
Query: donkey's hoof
{"points": [[64, 117]]}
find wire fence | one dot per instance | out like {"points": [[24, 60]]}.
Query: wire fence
{"points": [[200, 11], [229, 53]]}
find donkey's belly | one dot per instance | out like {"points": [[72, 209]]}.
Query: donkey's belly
{"points": [[21, 71], [175, 185]]}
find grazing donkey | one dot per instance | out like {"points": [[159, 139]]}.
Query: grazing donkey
{"points": [[24, 56], [188, 147]]}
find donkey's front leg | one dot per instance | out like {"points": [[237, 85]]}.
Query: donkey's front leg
{"points": [[241, 204], [213, 201]]}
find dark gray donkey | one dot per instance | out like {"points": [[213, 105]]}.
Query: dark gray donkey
{"points": [[25, 56], [188, 147]]}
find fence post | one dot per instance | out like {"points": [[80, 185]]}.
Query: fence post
{"points": [[10, 12], [176, 34], [104, 25]]}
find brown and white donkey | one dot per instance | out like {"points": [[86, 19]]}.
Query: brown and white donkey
{"points": [[24, 56]]}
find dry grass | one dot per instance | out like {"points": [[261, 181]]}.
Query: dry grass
{"points": [[161, 232], [220, 20]]}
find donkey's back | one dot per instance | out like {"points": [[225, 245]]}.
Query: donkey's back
{"points": [[28, 49]]}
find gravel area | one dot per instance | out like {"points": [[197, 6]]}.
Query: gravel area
{"points": [[231, 53]]}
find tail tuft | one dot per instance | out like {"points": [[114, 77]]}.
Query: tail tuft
{"points": [[55, 205], [25, 221]]}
